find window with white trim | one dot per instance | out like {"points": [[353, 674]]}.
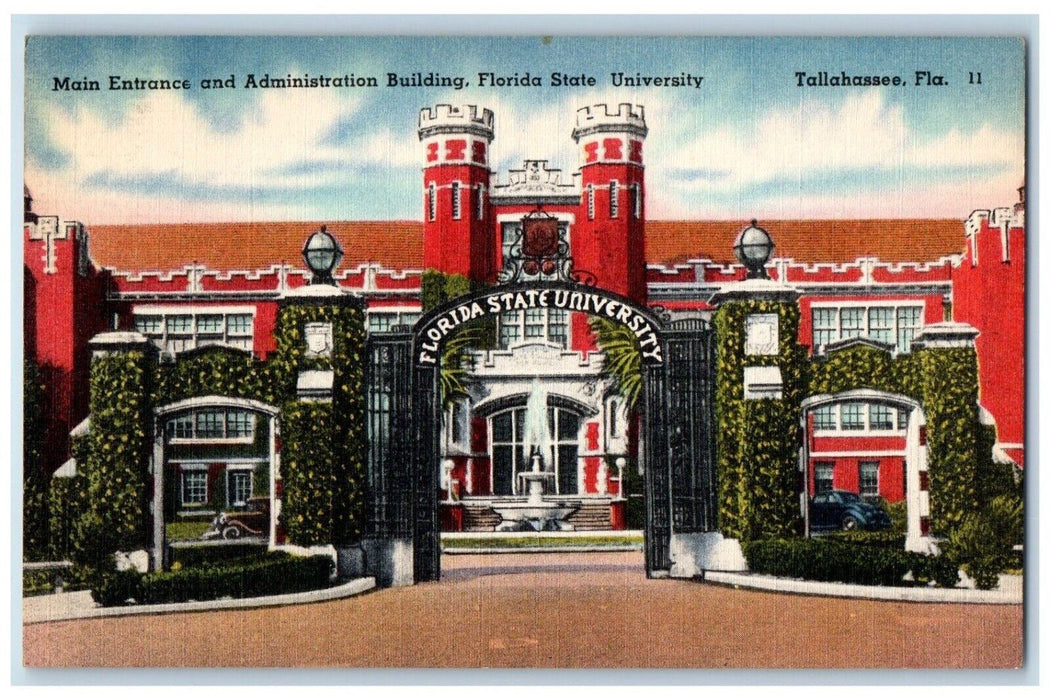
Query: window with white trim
{"points": [[457, 208], [614, 199], [550, 325], [823, 476], [479, 189], [880, 417], [824, 418], [431, 202], [194, 486], [852, 416], [859, 416], [508, 457], [636, 190], [909, 322], [379, 321], [212, 425], [869, 479], [238, 486], [887, 323], [174, 332], [590, 202]]}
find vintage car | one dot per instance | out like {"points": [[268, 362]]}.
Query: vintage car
{"points": [[251, 521], [843, 510]]}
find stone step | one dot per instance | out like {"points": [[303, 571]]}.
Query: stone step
{"points": [[590, 516]]}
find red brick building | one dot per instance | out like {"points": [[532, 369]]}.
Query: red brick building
{"points": [[187, 285]]}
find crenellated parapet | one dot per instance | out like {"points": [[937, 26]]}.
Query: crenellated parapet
{"points": [[197, 281], [455, 119], [601, 118], [696, 278], [998, 218]]}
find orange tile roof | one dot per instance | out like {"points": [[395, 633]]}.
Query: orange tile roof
{"points": [[812, 241], [251, 246], [398, 245]]}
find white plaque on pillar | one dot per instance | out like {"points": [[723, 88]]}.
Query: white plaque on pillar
{"points": [[763, 334], [318, 339]]}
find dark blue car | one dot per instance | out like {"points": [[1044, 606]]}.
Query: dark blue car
{"points": [[842, 510]]}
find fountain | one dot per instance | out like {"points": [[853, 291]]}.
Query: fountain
{"points": [[535, 513]]}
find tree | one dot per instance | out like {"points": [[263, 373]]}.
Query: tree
{"points": [[35, 515], [623, 358]]}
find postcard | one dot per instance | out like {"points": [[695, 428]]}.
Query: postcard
{"points": [[524, 352]]}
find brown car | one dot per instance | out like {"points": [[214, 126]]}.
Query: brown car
{"points": [[251, 521]]}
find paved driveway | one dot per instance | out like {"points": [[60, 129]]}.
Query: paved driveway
{"points": [[556, 610]]}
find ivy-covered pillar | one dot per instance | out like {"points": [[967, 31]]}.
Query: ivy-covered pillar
{"points": [[117, 467], [318, 374], [760, 380], [948, 360]]}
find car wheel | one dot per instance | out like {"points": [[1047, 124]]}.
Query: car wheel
{"points": [[850, 523], [231, 533]]}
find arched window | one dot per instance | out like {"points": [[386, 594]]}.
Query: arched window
{"points": [[507, 429]]}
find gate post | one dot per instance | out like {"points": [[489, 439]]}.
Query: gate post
{"points": [[689, 434], [426, 416], [657, 475], [388, 547]]}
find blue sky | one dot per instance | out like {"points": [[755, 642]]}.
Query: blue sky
{"points": [[748, 143]]}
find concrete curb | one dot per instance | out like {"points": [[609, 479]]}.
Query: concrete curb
{"points": [[560, 549], [43, 613], [1014, 595]]}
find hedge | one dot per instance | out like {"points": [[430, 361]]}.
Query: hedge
{"points": [[846, 562], [205, 555], [274, 574]]}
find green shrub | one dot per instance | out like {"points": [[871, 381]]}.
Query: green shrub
{"points": [[187, 557], [898, 513], [984, 541], [874, 538], [275, 573], [844, 561], [118, 587], [37, 582], [942, 570]]}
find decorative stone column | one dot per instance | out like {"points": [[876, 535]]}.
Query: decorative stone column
{"points": [[321, 490], [758, 394]]}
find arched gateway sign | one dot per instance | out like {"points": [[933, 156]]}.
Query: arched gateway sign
{"points": [[404, 421], [432, 330]]}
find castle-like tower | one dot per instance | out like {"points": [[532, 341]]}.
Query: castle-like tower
{"points": [[64, 308], [609, 239], [457, 227]]}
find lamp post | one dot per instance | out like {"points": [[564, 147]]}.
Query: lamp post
{"points": [[322, 254], [753, 248]]}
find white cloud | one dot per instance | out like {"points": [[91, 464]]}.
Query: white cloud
{"points": [[811, 139], [164, 135], [694, 169]]}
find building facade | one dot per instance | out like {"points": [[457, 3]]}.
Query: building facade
{"points": [[186, 287]]}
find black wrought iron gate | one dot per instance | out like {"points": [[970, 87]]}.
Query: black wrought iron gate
{"points": [[678, 441], [404, 428]]}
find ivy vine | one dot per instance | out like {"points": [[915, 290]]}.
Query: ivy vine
{"points": [[756, 440]]}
